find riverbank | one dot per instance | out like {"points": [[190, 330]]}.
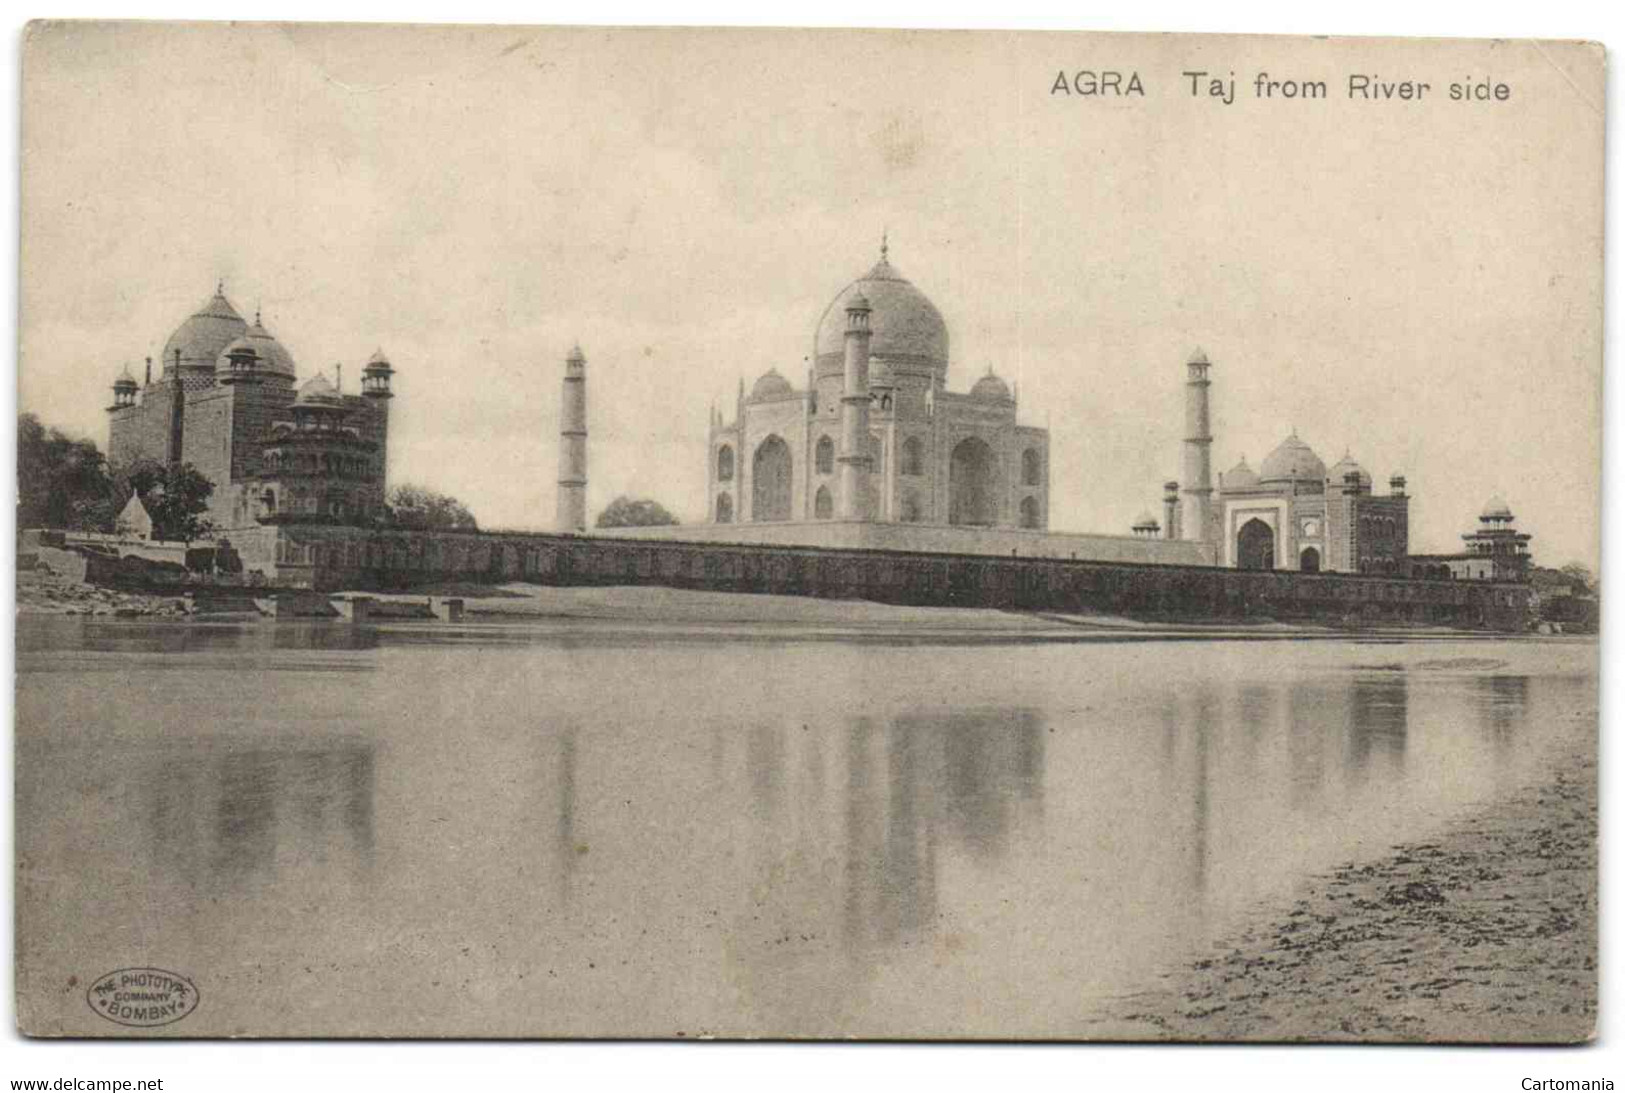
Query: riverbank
{"points": [[41, 591], [1485, 934], [671, 606]]}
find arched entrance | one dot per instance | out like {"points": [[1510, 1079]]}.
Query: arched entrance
{"points": [[1255, 545], [770, 481], [973, 483], [1029, 512], [823, 504], [911, 507], [725, 509], [1309, 560]]}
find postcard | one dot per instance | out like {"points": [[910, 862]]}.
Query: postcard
{"points": [[807, 534]]}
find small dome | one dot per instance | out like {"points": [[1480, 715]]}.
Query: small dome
{"points": [[990, 388], [268, 352], [771, 386], [1198, 357], [1292, 461], [200, 339], [125, 381], [317, 391], [277, 359], [378, 361], [905, 327], [1344, 467], [1496, 509], [1239, 477], [575, 356], [1145, 520]]}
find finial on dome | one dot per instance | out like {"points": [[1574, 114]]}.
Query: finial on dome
{"points": [[884, 245], [256, 314], [220, 287]]}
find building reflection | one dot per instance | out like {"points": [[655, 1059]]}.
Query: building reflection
{"points": [[1377, 722], [567, 846], [910, 788], [1504, 704], [224, 814]]}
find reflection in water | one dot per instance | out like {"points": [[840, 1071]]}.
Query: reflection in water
{"points": [[908, 784], [228, 815], [833, 859], [1205, 727], [134, 636], [565, 845], [1504, 701], [992, 763], [1378, 721]]}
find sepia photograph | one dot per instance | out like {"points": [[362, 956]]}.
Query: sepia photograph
{"points": [[807, 534]]}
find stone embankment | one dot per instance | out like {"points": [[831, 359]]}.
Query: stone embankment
{"points": [[45, 590]]}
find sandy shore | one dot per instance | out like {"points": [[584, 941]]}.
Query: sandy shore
{"points": [[1487, 933], [658, 605]]}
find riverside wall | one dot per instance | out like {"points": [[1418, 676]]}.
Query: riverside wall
{"points": [[332, 558]]}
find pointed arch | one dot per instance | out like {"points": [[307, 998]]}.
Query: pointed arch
{"points": [[1255, 545], [973, 478], [1029, 512], [771, 476], [824, 455]]}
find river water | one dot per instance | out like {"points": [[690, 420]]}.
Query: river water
{"points": [[536, 829]]}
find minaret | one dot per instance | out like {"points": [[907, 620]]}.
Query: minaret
{"points": [[1197, 472], [1170, 510], [375, 388], [572, 500], [854, 456]]}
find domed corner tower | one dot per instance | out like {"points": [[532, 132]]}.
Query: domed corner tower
{"points": [[317, 465]]}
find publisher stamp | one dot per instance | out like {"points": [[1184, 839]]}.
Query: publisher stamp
{"points": [[143, 997]]}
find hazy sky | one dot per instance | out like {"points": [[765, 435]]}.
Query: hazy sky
{"points": [[1417, 282]]}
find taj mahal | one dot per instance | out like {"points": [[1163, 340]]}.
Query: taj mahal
{"points": [[876, 451], [876, 434]]}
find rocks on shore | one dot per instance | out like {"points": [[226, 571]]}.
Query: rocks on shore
{"points": [[1486, 934], [40, 591]]}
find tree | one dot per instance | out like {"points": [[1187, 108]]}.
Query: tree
{"points": [[176, 497], [624, 512], [421, 508], [62, 482], [1581, 575]]}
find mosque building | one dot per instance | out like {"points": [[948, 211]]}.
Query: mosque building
{"points": [[1294, 513], [227, 401], [876, 435]]}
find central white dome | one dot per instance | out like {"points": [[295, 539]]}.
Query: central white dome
{"points": [[1292, 461], [907, 330]]}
